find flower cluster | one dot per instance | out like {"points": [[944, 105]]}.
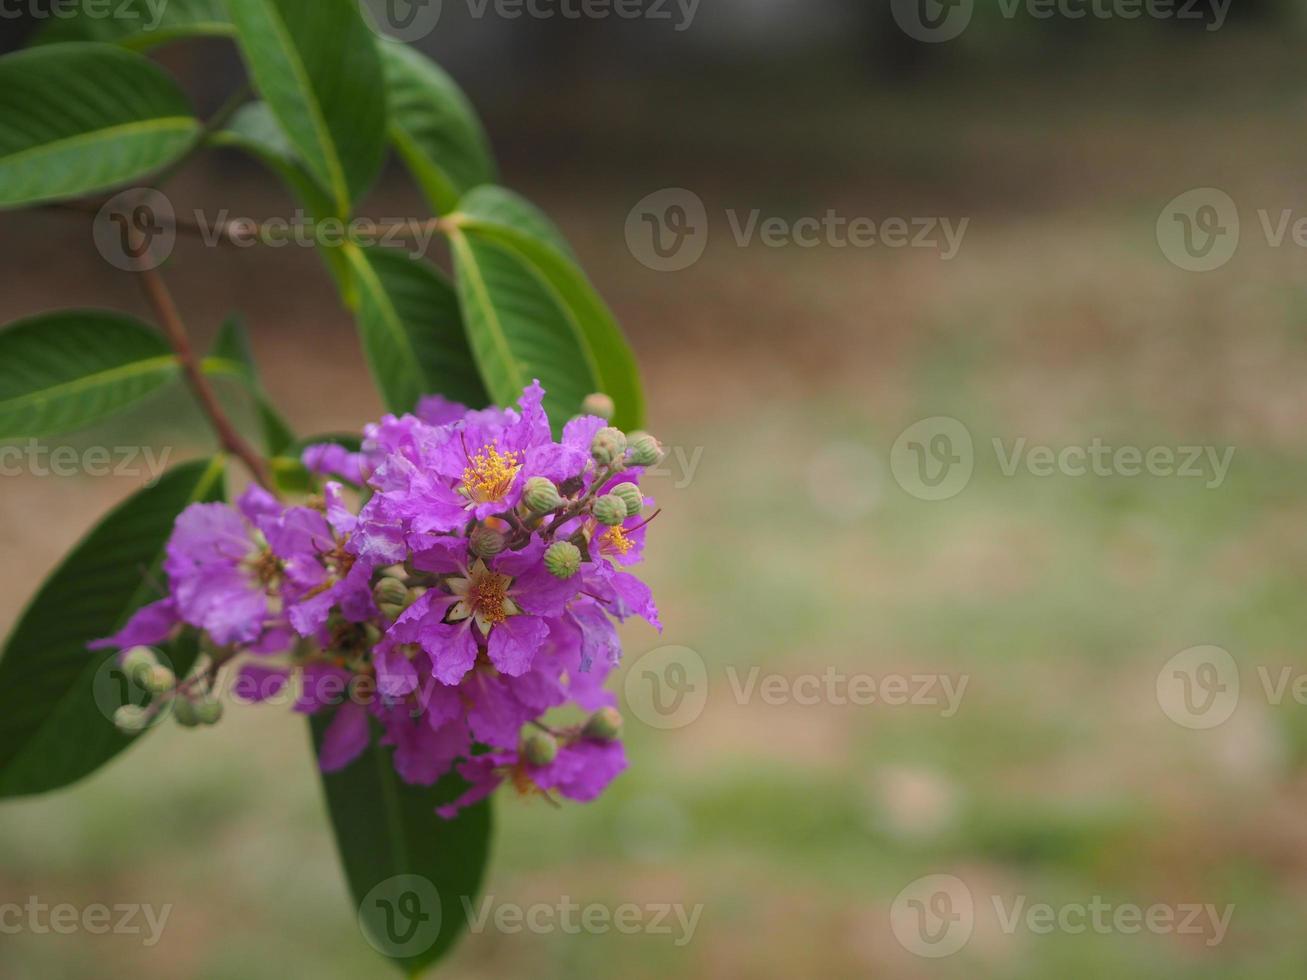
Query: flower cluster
{"points": [[472, 590]]}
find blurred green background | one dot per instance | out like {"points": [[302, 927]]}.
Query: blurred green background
{"points": [[792, 546]]}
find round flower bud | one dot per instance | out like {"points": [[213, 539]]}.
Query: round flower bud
{"points": [[390, 592], [605, 725], [608, 446], [209, 711], [599, 404], [183, 709], [158, 679], [610, 510], [541, 495], [487, 542], [131, 719], [645, 450], [631, 496], [563, 559], [540, 749], [137, 661]]}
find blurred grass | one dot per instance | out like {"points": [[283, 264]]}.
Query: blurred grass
{"points": [[792, 548]]}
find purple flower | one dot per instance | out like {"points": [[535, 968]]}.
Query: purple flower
{"points": [[582, 770]]}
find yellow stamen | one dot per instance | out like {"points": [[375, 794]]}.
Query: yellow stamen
{"points": [[615, 539], [489, 474]]}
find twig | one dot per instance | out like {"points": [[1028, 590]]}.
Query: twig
{"points": [[165, 311]]}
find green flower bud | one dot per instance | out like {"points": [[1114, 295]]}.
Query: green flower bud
{"points": [[183, 709], [209, 711], [487, 542], [131, 719], [540, 749], [390, 592], [563, 559], [158, 679], [631, 496], [541, 495], [645, 450], [137, 661], [605, 725], [608, 446], [610, 510], [598, 404]]}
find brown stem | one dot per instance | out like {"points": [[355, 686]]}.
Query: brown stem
{"points": [[165, 311]]}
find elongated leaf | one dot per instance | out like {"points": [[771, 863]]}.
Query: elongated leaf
{"points": [[233, 355], [255, 130], [412, 331], [77, 118], [61, 371], [52, 731], [137, 24], [389, 838], [434, 127], [517, 330], [315, 63], [495, 216]]}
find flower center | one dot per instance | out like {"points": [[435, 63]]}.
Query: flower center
{"points": [[615, 539], [487, 598], [489, 474]]}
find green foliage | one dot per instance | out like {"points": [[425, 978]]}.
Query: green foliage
{"points": [[434, 128], [64, 371], [412, 332], [386, 827], [532, 313], [84, 112], [78, 118], [316, 64], [52, 731]]}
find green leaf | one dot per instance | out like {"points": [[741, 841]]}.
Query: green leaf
{"points": [[412, 332], [52, 732], [255, 130], [386, 828], [138, 26], [62, 371], [315, 63], [494, 216], [233, 355], [78, 118], [434, 127], [518, 331]]}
